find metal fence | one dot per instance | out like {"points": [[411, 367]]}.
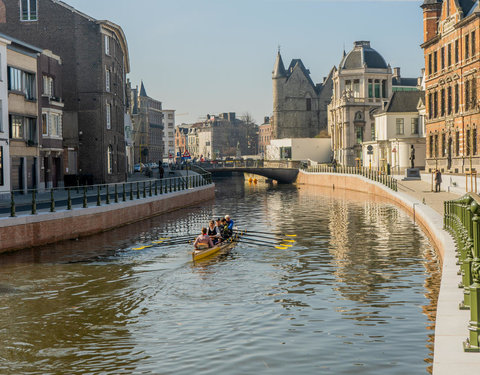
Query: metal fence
{"points": [[461, 219], [89, 195], [371, 174]]}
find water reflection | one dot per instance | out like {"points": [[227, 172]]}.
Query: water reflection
{"points": [[361, 280]]}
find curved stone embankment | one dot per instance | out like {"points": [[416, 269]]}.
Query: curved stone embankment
{"points": [[451, 327], [35, 230]]}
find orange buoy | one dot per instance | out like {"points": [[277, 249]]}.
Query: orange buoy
{"points": [[250, 180], [255, 181]]}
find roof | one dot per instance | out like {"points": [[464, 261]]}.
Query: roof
{"points": [[143, 92], [400, 81], [306, 72], [466, 5], [363, 56], [404, 101], [279, 68]]}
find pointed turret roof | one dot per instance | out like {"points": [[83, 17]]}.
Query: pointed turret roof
{"points": [[279, 69], [143, 92]]}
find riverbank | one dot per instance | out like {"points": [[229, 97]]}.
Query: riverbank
{"points": [[451, 323], [48, 227]]}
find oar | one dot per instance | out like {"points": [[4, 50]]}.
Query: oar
{"points": [[165, 243], [254, 231], [257, 236], [261, 244]]}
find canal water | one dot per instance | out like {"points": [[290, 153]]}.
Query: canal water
{"points": [[355, 294]]}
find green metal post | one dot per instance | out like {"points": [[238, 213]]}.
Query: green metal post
{"points": [[170, 185], [473, 342], [144, 189], [175, 183], [124, 193], [85, 201], [150, 188], [99, 197], [108, 195], [116, 194], [138, 190], [131, 191], [34, 202], [12, 204], [69, 199], [52, 201]]}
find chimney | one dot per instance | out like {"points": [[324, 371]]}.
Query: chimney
{"points": [[396, 72], [432, 9]]}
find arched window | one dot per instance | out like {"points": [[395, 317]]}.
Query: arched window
{"points": [[110, 159]]}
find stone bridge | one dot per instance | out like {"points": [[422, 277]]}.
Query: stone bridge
{"points": [[284, 172]]}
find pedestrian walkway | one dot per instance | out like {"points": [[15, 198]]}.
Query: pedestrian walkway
{"points": [[422, 191]]}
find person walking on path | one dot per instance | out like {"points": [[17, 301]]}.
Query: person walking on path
{"points": [[438, 180]]}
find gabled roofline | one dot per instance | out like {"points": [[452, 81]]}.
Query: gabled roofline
{"points": [[122, 39]]}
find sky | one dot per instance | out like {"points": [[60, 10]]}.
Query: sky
{"points": [[204, 57]]}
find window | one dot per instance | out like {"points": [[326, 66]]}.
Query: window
{"points": [[430, 105], [356, 88], [442, 102], [56, 128], [435, 104], [377, 88], [384, 89], [457, 144], [468, 142], [21, 81], [31, 130], [430, 139], [467, 46], [430, 71], [28, 10], [474, 141], [473, 103], [110, 159], [2, 178], [16, 127], [457, 98], [373, 131], [370, 88], [109, 116], [449, 100], [45, 124], [48, 86], [444, 145], [442, 57], [400, 122], [107, 80], [348, 86], [456, 52], [436, 145], [170, 116], [309, 104], [435, 65], [449, 55], [474, 48], [107, 45], [467, 95], [414, 130], [170, 125], [359, 134]]}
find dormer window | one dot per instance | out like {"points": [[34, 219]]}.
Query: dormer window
{"points": [[28, 10]]}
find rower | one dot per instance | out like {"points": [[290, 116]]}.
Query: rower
{"points": [[203, 240], [229, 223], [213, 232], [227, 233], [220, 228]]}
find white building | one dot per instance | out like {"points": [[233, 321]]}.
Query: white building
{"points": [[300, 149], [4, 134], [168, 133], [398, 127]]}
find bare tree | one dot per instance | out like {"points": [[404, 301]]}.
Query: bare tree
{"points": [[247, 118]]}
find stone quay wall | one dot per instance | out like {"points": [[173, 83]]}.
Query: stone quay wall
{"points": [[44, 228]]}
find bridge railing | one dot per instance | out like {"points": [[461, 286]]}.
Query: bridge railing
{"points": [[462, 219], [287, 164], [371, 174], [31, 201]]}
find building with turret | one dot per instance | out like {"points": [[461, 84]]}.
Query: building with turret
{"points": [[363, 83], [299, 105], [452, 61]]}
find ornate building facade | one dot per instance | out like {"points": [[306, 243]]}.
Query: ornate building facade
{"points": [[299, 105], [452, 61]]}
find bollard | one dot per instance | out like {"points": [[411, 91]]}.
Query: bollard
{"points": [[165, 186], [170, 184], [85, 201], [131, 191], [116, 194], [99, 198], [175, 184], [150, 188], [124, 193], [144, 189], [34, 202], [156, 187], [107, 201], [138, 190], [52, 201], [69, 199], [12, 204]]}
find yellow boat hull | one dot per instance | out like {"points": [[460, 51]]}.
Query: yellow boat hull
{"points": [[199, 254]]}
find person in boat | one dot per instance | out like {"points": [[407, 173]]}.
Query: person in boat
{"points": [[220, 228], [227, 232], [203, 239], [229, 223], [213, 232]]}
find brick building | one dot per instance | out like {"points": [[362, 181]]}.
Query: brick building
{"points": [[264, 136], [452, 62], [95, 59]]}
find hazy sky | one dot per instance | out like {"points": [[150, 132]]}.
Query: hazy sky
{"points": [[209, 56]]}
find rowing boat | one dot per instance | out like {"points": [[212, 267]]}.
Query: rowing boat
{"points": [[221, 248]]}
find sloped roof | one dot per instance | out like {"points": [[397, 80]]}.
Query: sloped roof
{"points": [[305, 71], [143, 92], [279, 68], [400, 81], [466, 5], [404, 101]]}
